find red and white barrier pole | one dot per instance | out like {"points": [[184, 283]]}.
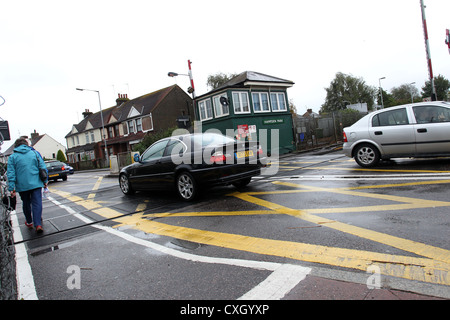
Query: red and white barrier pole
{"points": [[427, 47], [447, 39], [190, 77]]}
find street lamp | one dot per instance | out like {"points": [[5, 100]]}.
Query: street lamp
{"points": [[381, 92], [174, 74], [101, 116], [191, 89], [411, 91]]}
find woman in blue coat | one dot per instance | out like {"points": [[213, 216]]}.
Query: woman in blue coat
{"points": [[23, 177]]}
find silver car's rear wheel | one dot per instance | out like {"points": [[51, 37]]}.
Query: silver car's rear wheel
{"points": [[367, 155]]}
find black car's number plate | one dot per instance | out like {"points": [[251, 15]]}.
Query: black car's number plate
{"points": [[53, 175], [244, 154]]}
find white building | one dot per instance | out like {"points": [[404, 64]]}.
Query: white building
{"points": [[44, 144]]}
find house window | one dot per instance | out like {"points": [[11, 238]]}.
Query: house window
{"points": [[116, 130], [260, 102], [147, 123], [219, 109], [278, 101], [87, 137], [240, 102], [110, 132], [131, 126], [138, 125], [125, 128], [92, 136], [205, 108]]}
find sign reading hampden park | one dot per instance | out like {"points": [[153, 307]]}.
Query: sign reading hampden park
{"points": [[273, 121]]}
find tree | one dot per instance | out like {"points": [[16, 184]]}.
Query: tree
{"points": [[292, 106], [442, 86], [404, 94], [216, 80], [60, 156], [388, 99], [346, 89]]}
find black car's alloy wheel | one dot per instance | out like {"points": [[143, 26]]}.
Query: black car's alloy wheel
{"points": [[186, 186], [125, 185]]}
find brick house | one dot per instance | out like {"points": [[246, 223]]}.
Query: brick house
{"points": [[126, 124]]}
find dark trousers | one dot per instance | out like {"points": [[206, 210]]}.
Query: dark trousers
{"points": [[32, 206]]}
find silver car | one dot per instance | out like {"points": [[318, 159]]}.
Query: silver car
{"points": [[412, 130]]}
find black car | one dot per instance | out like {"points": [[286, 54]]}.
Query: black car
{"points": [[56, 170], [191, 162]]}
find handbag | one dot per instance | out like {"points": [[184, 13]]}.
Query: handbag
{"points": [[42, 172]]}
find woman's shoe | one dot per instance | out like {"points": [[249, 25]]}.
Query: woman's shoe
{"points": [[39, 229], [29, 225]]}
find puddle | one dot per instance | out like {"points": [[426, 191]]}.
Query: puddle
{"points": [[185, 244]]}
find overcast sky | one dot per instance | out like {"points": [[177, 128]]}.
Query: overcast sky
{"points": [[49, 48]]}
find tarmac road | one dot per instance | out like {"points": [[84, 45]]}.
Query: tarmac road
{"points": [[321, 228]]}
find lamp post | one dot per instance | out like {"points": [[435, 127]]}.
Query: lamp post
{"points": [[411, 90], [191, 89], [101, 116], [381, 92]]}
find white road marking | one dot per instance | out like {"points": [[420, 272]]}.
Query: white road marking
{"points": [[424, 176], [24, 275], [283, 278], [278, 284]]}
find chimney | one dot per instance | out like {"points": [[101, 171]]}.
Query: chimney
{"points": [[86, 113], [34, 135], [122, 99]]}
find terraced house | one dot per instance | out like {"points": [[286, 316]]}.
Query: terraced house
{"points": [[126, 124]]}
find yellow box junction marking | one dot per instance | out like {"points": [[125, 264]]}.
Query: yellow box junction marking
{"points": [[95, 188], [432, 266]]}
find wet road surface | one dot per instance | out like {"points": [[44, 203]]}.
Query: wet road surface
{"points": [[321, 228]]}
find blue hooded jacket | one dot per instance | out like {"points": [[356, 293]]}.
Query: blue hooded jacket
{"points": [[23, 169]]}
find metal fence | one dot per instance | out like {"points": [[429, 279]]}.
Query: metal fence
{"points": [[8, 285], [319, 131]]}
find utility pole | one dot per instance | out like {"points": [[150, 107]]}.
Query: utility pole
{"points": [[427, 47]]}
